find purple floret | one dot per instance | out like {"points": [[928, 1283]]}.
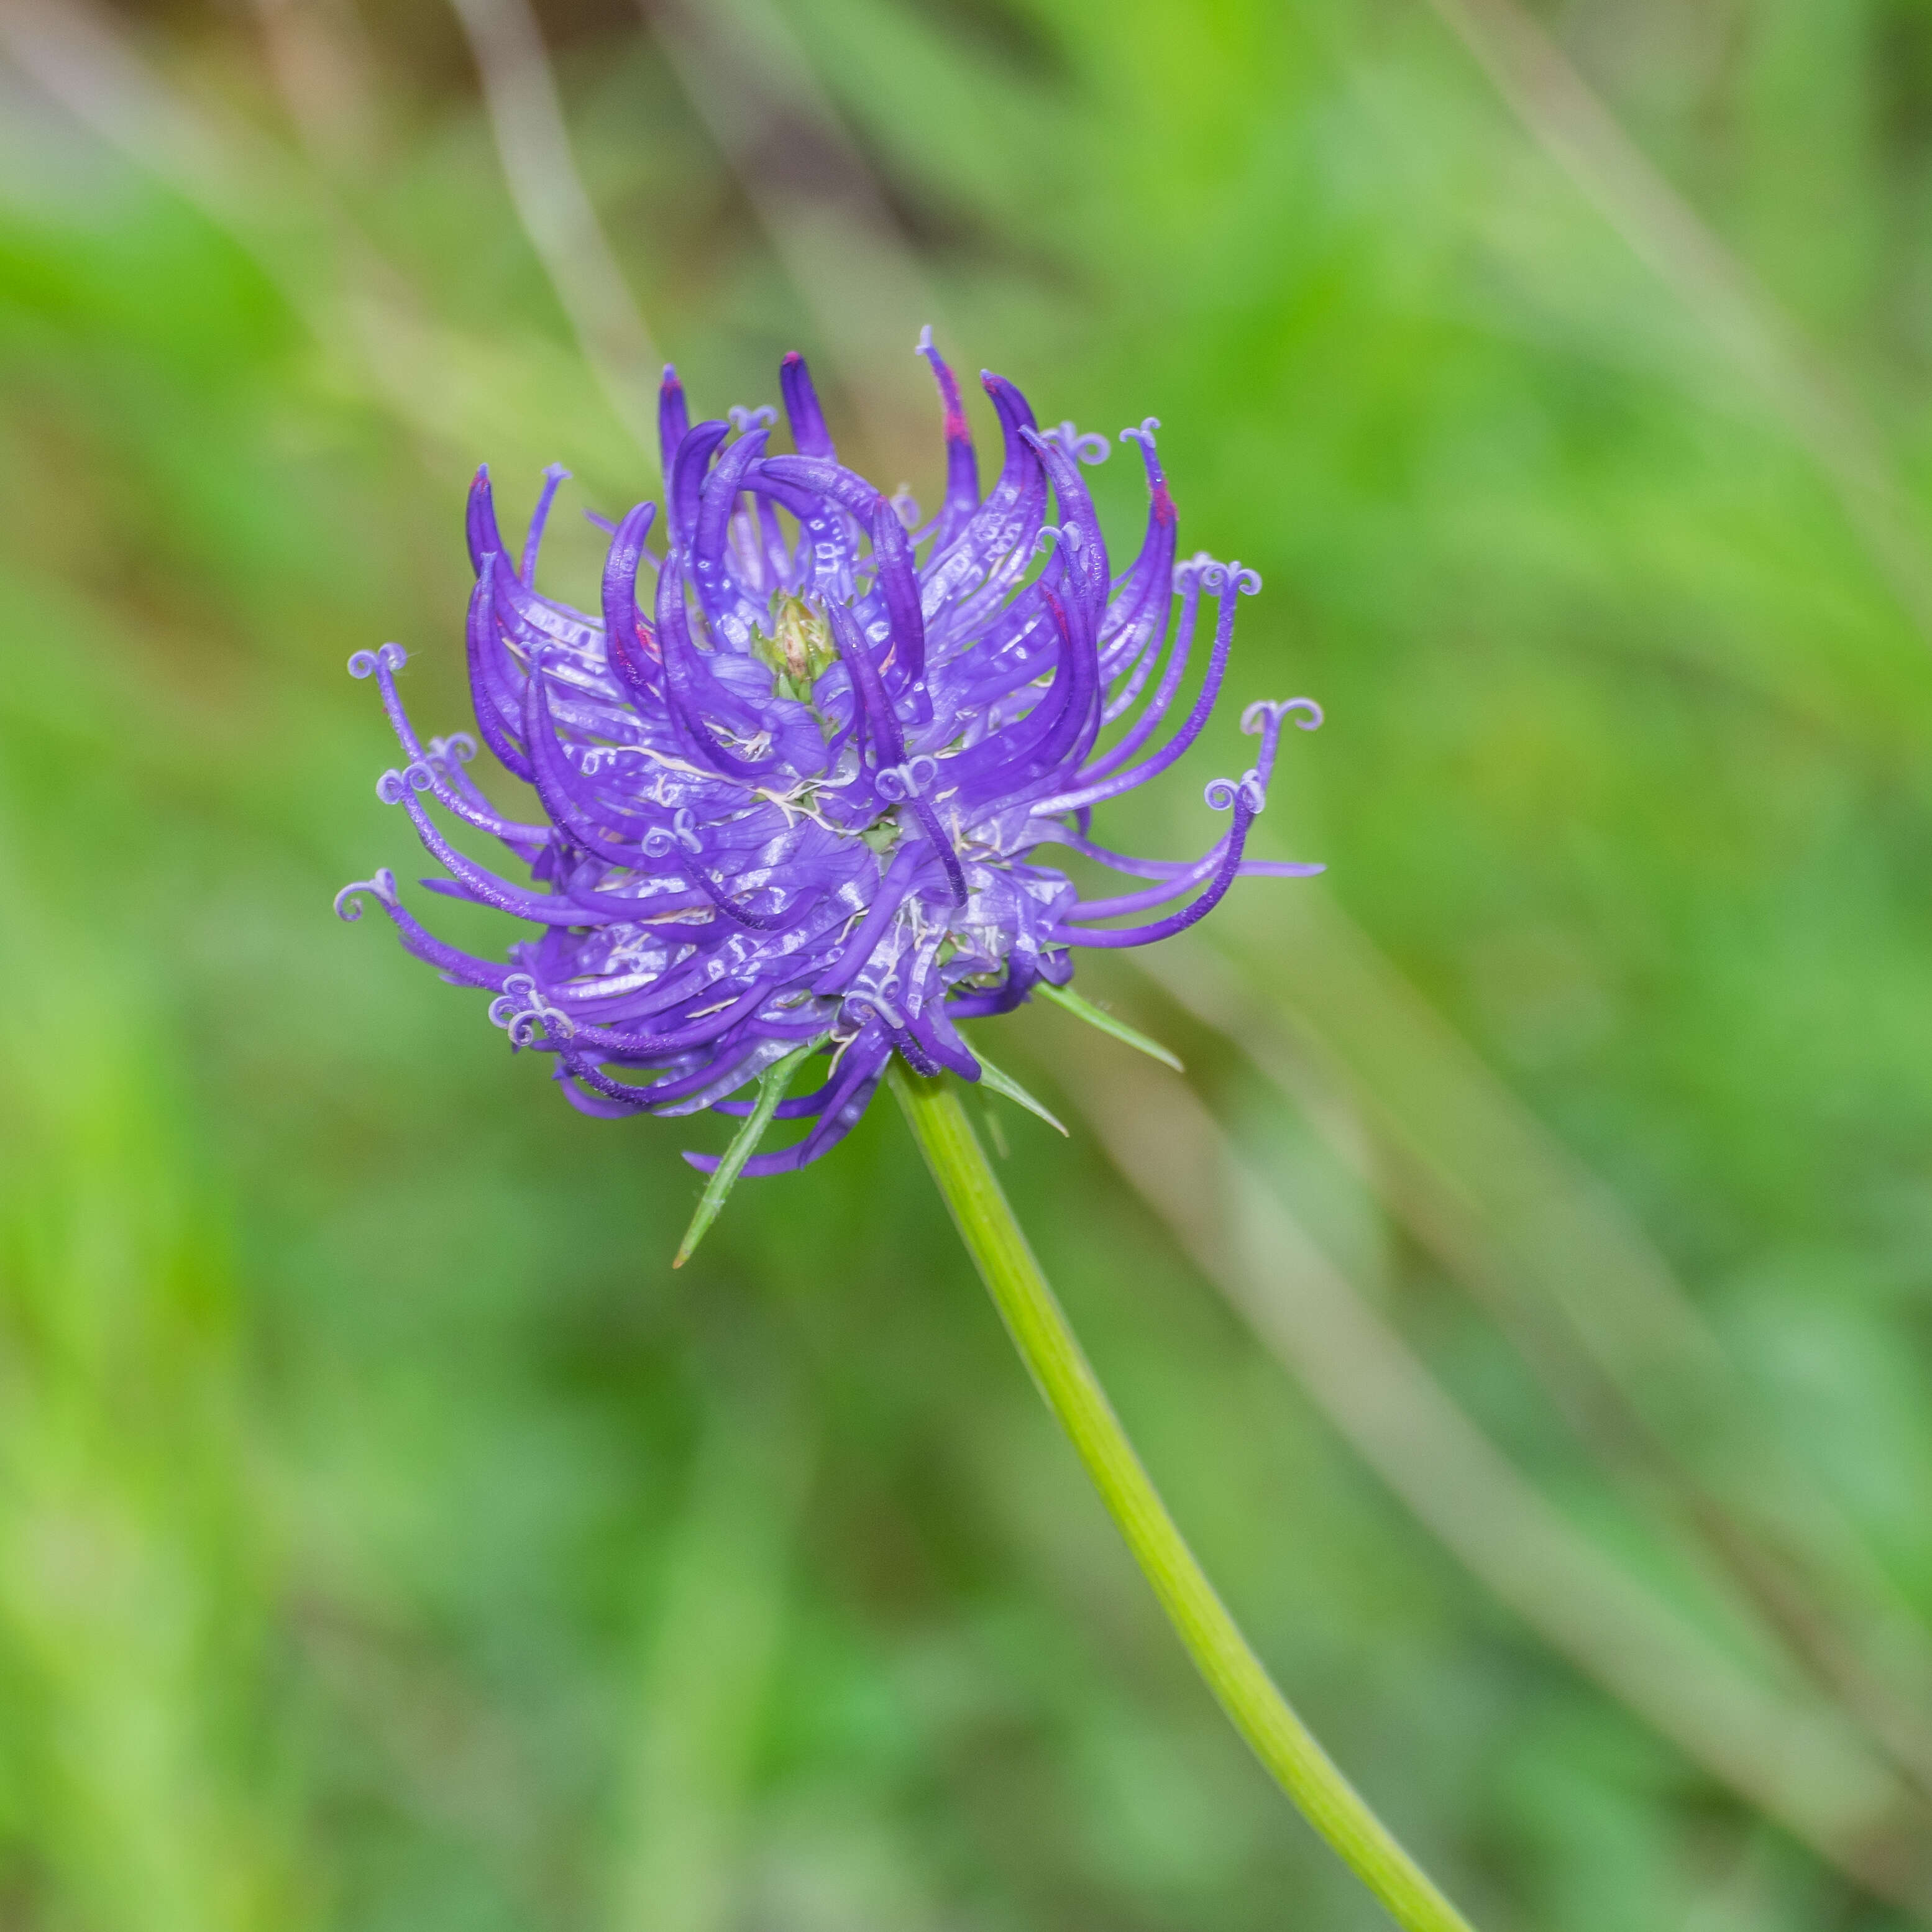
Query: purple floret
{"points": [[797, 795]]}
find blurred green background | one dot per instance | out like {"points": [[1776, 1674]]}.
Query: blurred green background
{"points": [[1525, 1301]]}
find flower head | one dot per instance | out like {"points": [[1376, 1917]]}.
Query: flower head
{"points": [[798, 801]]}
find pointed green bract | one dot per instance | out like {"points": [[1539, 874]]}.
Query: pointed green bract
{"points": [[1085, 1009], [772, 1085], [990, 1076]]}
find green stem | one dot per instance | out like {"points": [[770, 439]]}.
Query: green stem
{"points": [[1066, 1378]]}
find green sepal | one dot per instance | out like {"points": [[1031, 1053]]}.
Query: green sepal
{"points": [[799, 649], [1085, 1009], [991, 1076], [772, 1085]]}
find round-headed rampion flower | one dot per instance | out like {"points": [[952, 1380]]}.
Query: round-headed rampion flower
{"points": [[800, 802]]}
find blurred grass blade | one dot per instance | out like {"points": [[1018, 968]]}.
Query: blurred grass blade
{"points": [[1794, 1758], [457, 391], [533, 144], [704, 1670], [772, 1085], [137, 1583], [833, 229], [1098, 1016], [990, 1076], [1513, 1215], [1584, 139]]}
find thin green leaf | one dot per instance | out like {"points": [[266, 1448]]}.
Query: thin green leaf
{"points": [[1085, 1009], [772, 1085], [991, 1076]]}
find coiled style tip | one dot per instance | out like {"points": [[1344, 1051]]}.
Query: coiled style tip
{"points": [[348, 900], [366, 664], [1250, 789], [1306, 714]]}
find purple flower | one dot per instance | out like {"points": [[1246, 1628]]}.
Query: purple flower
{"points": [[797, 807]]}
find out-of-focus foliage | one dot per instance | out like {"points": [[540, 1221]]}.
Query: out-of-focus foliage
{"points": [[387, 1539]]}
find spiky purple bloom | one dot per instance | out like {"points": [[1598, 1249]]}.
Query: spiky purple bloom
{"points": [[801, 802]]}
